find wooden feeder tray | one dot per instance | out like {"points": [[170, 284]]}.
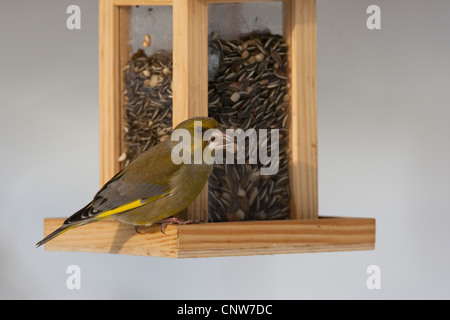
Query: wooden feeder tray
{"points": [[304, 231], [218, 239]]}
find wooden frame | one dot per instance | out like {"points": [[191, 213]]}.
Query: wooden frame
{"points": [[190, 87], [219, 239], [303, 232]]}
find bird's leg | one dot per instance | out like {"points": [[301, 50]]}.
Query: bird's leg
{"points": [[174, 220]]}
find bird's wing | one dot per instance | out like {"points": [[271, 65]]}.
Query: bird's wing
{"points": [[143, 181], [118, 196]]}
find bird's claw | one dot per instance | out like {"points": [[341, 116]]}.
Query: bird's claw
{"points": [[174, 220]]}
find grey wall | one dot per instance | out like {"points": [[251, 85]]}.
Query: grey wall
{"points": [[384, 114]]}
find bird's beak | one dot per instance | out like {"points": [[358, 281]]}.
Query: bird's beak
{"points": [[221, 139], [225, 139]]}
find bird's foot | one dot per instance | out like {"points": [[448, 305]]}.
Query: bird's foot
{"points": [[141, 229], [174, 220]]}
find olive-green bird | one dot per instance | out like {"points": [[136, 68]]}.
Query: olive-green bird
{"points": [[153, 187]]}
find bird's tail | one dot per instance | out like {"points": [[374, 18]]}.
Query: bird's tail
{"points": [[77, 219], [57, 232]]}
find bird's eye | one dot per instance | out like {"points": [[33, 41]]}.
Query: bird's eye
{"points": [[213, 139]]}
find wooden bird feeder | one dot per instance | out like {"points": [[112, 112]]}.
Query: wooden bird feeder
{"points": [[303, 231]]}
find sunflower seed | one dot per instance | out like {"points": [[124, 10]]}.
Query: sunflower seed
{"points": [[257, 95], [147, 103]]}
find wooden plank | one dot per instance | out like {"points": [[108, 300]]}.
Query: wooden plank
{"points": [[190, 74], [190, 59], [114, 54], [142, 2], [109, 90], [218, 239], [300, 33], [240, 1], [278, 236], [124, 47], [113, 237]]}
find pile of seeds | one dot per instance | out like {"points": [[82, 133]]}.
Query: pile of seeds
{"points": [[148, 102], [250, 90]]}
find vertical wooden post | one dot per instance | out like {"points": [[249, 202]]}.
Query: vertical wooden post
{"points": [[114, 51], [108, 85], [300, 33], [124, 18], [190, 76]]}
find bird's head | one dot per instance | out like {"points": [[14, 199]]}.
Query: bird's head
{"points": [[202, 133]]}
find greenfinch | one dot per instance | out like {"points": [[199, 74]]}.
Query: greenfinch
{"points": [[156, 185]]}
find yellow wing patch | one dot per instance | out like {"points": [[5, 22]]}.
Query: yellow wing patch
{"points": [[129, 206]]}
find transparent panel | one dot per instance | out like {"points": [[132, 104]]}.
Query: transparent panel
{"points": [[148, 80], [248, 90]]}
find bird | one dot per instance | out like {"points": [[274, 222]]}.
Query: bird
{"points": [[154, 186]]}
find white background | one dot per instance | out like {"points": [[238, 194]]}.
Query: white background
{"points": [[384, 132]]}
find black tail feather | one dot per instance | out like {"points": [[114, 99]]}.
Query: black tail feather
{"points": [[54, 234]]}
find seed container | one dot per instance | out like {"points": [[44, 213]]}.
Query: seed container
{"points": [[248, 89], [249, 64], [147, 81]]}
